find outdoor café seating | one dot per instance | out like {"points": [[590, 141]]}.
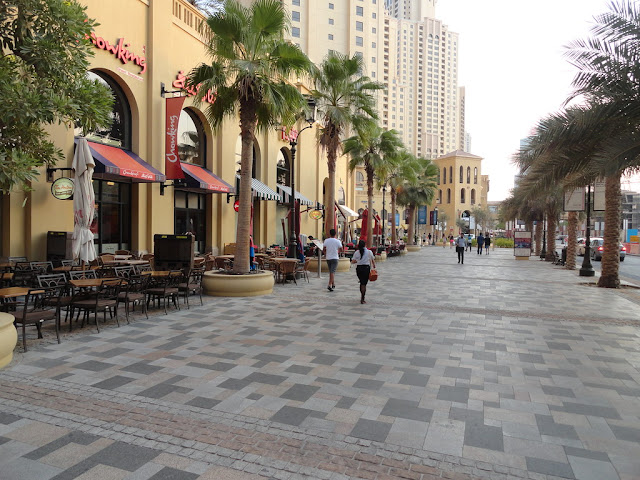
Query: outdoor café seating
{"points": [[165, 289], [103, 300], [40, 305], [134, 293], [192, 285]]}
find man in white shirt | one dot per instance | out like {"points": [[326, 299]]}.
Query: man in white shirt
{"points": [[460, 244], [332, 249]]}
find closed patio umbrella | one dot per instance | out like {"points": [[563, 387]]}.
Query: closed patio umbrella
{"points": [[83, 203]]}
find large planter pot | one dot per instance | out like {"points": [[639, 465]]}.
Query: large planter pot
{"points": [[382, 257], [412, 248], [8, 338], [343, 265], [220, 284]]}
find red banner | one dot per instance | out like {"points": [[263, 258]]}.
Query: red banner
{"points": [[172, 168]]}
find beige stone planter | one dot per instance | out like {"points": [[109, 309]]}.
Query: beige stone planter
{"points": [[343, 265], [413, 248], [252, 285], [382, 257], [8, 338]]}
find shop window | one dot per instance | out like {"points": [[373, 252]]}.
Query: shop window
{"points": [[193, 140], [283, 175], [111, 225], [190, 216], [119, 133]]}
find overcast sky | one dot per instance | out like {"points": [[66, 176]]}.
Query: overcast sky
{"points": [[512, 64]]}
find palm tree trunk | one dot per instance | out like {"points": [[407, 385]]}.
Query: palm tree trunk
{"points": [[571, 241], [369, 172], [329, 221], [551, 237], [393, 216], [539, 231], [412, 211], [247, 129], [611, 255]]}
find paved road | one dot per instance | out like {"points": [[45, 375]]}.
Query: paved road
{"points": [[494, 369]]}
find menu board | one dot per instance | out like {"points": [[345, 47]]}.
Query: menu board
{"points": [[522, 244]]}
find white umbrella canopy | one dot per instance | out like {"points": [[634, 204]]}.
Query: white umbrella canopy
{"points": [[83, 203]]}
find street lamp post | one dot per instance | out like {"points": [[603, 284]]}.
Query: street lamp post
{"points": [[587, 269], [543, 252], [293, 142], [384, 211]]}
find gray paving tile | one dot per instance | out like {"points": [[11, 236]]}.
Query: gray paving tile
{"points": [[291, 415], [168, 473], [558, 391], [453, 394], [457, 372], [626, 433], [406, 409], [113, 383], [483, 436], [300, 393], [371, 430], [547, 467]]}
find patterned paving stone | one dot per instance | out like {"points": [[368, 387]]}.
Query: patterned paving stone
{"points": [[310, 384]]}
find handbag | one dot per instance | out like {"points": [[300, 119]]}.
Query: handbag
{"points": [[373, 275]]}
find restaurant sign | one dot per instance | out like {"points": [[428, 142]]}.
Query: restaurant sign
{"points": [[181, 83], [316, 214], [63, 188], [120, 50]]}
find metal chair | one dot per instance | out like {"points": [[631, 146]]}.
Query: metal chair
{"points": [[104, 300], [58, 280], [138, 269], [303, 269], [193, 285], [124, 272], [134, 292], [40, 305], [286, 270], [165, 289], [80, 274]]}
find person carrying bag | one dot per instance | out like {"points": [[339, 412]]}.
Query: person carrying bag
{"points": [[364, 260]]}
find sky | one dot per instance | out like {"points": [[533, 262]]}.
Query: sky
{"points": [[513, 65]]}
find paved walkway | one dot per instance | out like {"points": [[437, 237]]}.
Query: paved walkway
{"points": [[494, 369]]}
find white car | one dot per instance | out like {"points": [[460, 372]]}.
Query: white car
{"points": [[580, 246]]}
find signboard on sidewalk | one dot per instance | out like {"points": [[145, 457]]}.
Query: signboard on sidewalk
{"points": [[522, 243], [598, 197], [574, 200]]}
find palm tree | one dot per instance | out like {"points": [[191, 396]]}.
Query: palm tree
{"points": [[343, 99], [422, 192], [370, 148], [403, 169], [250, 68]]}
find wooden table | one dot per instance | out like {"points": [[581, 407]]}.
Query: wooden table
{"points": [[63, 268], [86, 282], [160, 273], [122, 257], [13, 292], [228, 257], [132, 262]]}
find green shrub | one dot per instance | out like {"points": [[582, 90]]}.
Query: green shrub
{"points": [[503, 242]]}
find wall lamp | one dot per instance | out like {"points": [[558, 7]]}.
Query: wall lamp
{"points": [[51, 171], [176, 183]]}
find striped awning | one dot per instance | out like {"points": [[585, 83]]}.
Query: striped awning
{"points": [[262, 191], [118, 162], [286, 194], [202, 179]]}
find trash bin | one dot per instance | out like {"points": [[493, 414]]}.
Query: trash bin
{"points": [[564, 255]]}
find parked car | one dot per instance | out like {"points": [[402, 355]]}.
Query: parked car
{"points": [[580, 246], [597, 247]]}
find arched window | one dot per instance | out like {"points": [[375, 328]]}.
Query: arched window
{"points": [[448, 195], [438, 176], [359, 181], [444, 175], [450, 174], [462, 199], [254, 173], [283, 175], [119, 133], [473, 196], [475, 175], [341, 198], [468, 174], [193, 141], [439, 196], [461, 174]]}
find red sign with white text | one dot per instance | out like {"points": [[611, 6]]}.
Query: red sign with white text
{"points": [[120, 50], [172, 168]]}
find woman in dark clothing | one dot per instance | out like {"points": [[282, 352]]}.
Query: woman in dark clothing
{"points": [[487, 243], [364, 260]]}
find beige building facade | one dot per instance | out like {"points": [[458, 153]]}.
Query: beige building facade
{"points": [[142, 46]]}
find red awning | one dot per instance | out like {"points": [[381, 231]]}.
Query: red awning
{"points": [[117, 161], [199, 177]]}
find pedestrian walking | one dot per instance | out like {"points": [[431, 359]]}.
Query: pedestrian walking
{"points": [[430, 239], [460, 246], [469, 242], [451, 241], [487, 242], [444, 241], [332, 249], [364, 260], [480, 243]]}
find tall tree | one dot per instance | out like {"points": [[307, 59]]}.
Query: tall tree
{"points": [[404, 168], [421, 192], [251, 65], [372, 148], [43, 81], [344, 100]]}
